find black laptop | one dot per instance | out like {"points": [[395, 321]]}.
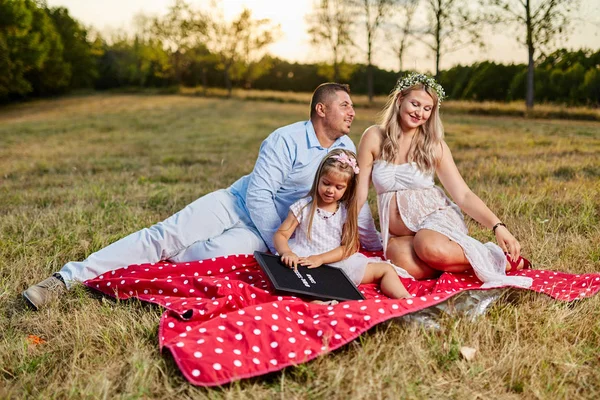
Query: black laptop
{"points": [[323, 283]]}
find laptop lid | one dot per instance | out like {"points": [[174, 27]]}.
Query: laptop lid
{"points": [[322, 283]]}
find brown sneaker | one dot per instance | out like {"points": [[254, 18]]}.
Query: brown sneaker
{"points": [[44, 292]]}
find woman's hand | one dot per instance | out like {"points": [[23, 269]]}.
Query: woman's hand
{"points": [[508, 243], [311, 262], [290, 259]]}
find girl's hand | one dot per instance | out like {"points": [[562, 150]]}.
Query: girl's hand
{"points": [[290, 259], [508, 243], [311, 262]]}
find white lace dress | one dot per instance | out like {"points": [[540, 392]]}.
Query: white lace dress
{"points": [[423, 205], [326, 235]]}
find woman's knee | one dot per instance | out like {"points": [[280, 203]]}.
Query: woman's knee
{"points": [[430, 250], [400, 250]]}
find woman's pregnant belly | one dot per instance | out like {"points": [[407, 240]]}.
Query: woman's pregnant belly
{"points": [[397, 226]]}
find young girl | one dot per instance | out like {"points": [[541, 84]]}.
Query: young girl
{"points": [[326, 228], [422, 229]]}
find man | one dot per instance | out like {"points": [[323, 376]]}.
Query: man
{"points": [[242, 218]]}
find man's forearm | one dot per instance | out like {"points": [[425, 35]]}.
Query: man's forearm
{"points": [[271, 169]]}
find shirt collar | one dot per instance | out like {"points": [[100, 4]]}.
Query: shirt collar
{"points": [[311, 137]]}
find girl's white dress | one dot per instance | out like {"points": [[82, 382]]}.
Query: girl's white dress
{"points": [[326, 235], [423, 205]]}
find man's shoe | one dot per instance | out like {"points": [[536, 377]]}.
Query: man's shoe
{"points": [[44, 292]]}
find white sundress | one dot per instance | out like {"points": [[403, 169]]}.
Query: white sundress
{"points": [[423, 205], [326, 235]]}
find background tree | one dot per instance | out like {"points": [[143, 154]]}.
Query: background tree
{"points": [[398, 33], [237, 41], [78, 50], [330, 27], [155, 63], [132, 61], [203, 68], [452, 25], [488, 81], [181, 29], [22, 48], [591, 86], [287, 76], [254, 69], [53, 75], [117, 66], [373, 14], [539, 22]]}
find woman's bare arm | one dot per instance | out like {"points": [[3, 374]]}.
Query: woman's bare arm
{"points": [[471, 204], [368, 151]]}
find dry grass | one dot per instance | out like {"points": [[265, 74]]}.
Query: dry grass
{"points": [[514, 109], [80, 172], [517, 109]]}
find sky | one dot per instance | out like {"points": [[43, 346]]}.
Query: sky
{"points": [[108, 16]]}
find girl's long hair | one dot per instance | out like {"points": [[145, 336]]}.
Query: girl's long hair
{"points": [[426, 141], [330, 165]]}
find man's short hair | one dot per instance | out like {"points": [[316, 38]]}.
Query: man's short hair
{"points": [[323, 92]]}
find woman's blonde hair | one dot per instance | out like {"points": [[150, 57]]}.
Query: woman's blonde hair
{"points": [[426, 141], [331, 165]]}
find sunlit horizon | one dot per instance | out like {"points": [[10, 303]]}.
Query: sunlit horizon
{"points": [[294, 44]]}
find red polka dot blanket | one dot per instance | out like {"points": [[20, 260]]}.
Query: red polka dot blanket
{"points": [[224, 323]]}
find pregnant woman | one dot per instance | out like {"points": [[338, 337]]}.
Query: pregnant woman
{"points": [[423, 230]]}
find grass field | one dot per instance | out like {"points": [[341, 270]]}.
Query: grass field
{"points": [[80, 172], [513, 109]]}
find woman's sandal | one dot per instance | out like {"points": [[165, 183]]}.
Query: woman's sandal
{"points": [[514, 265]]}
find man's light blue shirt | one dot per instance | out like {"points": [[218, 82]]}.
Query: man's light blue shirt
{"points": [[284, 172]]}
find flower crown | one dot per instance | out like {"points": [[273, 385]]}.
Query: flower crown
{"points": [[415, 78], [345, 159]]}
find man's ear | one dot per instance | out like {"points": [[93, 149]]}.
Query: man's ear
{"points": [[320, 109]]}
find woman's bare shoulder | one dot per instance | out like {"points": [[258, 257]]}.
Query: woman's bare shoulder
{"points": [[373, 135], [442, 149], [372, 140], [374, 130]]}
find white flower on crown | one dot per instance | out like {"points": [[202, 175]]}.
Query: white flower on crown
{"points": [[415, 78]]}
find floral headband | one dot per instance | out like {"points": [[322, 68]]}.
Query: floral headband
{"points": [[345, 159], [414, 78]]}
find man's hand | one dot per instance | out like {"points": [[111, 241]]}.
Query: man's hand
{"points": [[290, 259], [311, 262]]}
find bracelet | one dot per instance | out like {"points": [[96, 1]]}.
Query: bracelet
{"points": [[497, 225]]}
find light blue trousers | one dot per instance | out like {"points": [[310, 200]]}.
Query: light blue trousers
{"points": [[214, 225]]}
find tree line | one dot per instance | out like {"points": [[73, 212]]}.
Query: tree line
{"points": [[45, 51]]}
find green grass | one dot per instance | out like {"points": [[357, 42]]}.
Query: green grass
{"points": [[80, 172]]}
